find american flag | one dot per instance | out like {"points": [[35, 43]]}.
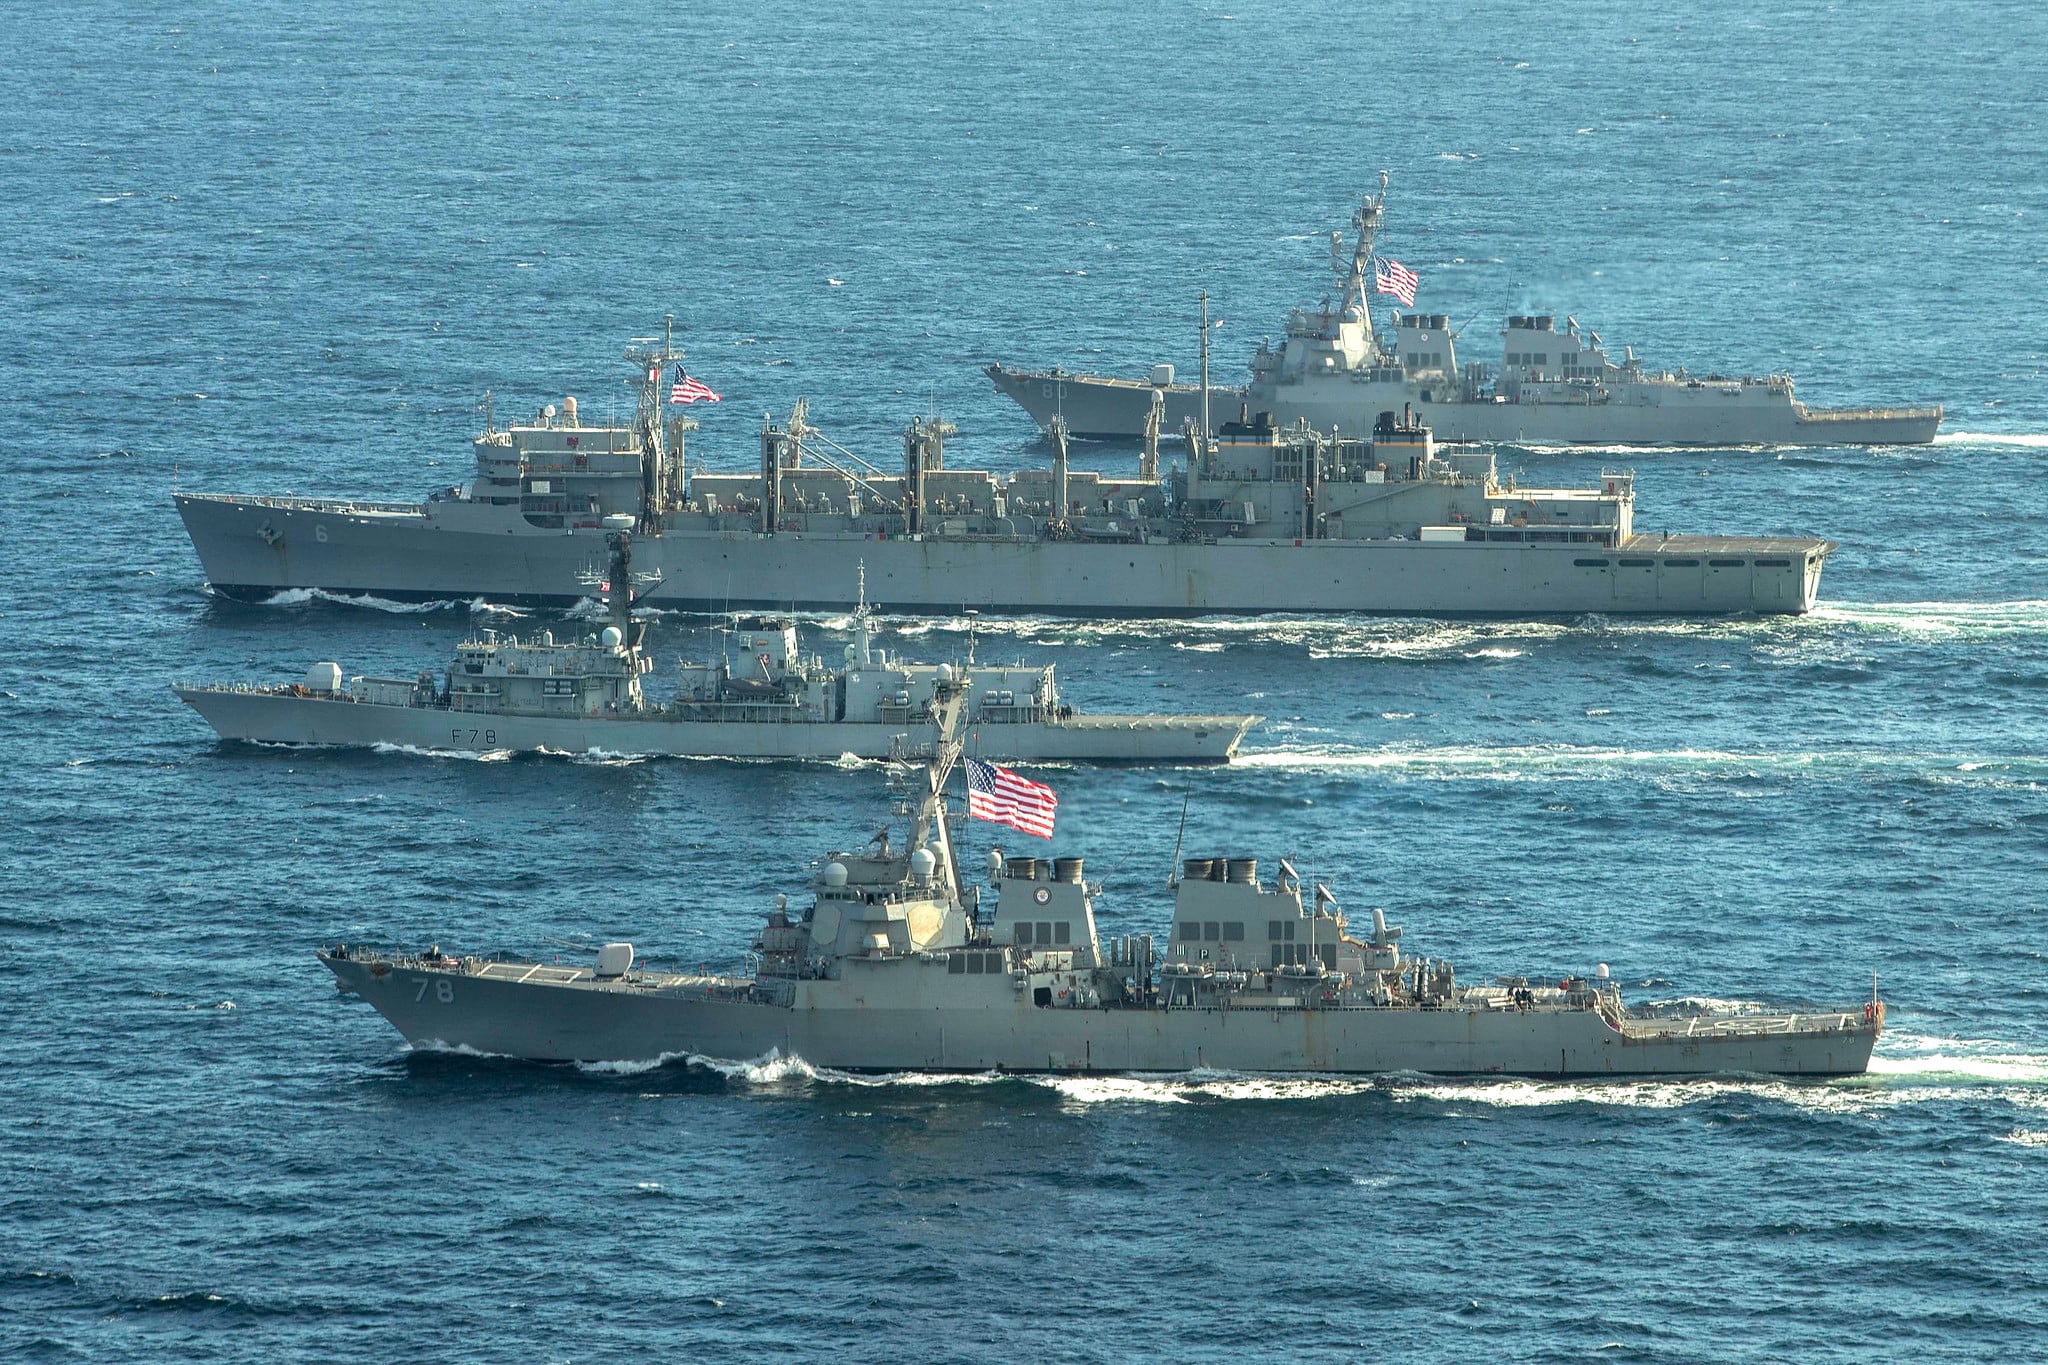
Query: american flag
{"points": [[997, 794], [1391, 277], [688, 390]]}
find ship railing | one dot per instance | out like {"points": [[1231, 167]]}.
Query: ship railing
{"points": [[252, 689], [1866, 414], [339, 506], [1743, 1025]]}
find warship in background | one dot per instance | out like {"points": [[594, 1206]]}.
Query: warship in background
{"points": [[585, 695], [1264, 518], [1335, 372], [898, 964]]}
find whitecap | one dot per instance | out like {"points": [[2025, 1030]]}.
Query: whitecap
{"points": [[415, 751], [2020, 616], [635, 1068], [296, 597], [1092, 1090], [2021, 440]]}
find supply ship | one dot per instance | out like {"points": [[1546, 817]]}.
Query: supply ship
{"points": [[1549, 386], [582, 695], [896, 963], [1265, 517]]}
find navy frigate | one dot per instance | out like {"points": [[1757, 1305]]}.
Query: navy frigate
{"points": [[897, 963], [1264, 517], [580, 695], [1549, 385]]}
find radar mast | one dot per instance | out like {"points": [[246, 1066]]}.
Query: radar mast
{"points": [[661, 479]]}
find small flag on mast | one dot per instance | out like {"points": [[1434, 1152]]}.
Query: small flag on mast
{"points": [[1000, 796], [1391, 277], [688, 390]]}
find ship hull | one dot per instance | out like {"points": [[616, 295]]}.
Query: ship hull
{"points": [[1101, 409], [830, 1026], [1114, 410], [255, 548], [275, 717]]}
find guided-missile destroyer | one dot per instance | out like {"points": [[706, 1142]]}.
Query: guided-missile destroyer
{"points": [[897, 963], [1550, 386]]}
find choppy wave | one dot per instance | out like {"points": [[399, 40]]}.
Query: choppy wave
{"points": [[470, 755], [299, 597], [599, 758], [637, 1068]]}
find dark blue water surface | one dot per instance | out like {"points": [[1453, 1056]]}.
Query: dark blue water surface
{"points": [[288, 246]]}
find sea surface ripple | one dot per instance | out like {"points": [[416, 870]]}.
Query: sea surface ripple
{"points": [[264, 247]]}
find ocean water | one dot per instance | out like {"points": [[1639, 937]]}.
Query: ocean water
{"points": [[266, 247]]}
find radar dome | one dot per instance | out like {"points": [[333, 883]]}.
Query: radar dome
{"points": [[945, 674], [612, 637], [921, 864], [1600, 971], [618, 521], [324, 677], [835, 874]]}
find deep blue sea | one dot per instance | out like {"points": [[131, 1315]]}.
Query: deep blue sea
{"points": [[269, 246]]}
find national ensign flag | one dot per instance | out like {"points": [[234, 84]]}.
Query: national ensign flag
{"points": [[1391, 277], [999, 795], [688, 390]]}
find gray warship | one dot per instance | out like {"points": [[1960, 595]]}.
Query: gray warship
{"points": [[897, 964], [1264, 518], [1333, 370], [579, 696]]}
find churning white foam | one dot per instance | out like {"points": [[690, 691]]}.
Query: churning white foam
{"points": [[1939, 620], [2019, 439]]}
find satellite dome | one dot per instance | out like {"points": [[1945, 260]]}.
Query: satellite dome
{"points": [[835, 874], [612, 637], [921, 864], [945, 674]]}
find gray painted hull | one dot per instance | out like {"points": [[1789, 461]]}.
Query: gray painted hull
{"points": [[1112, 409], [280, 718], [829, 1026], [1100, 409], [427, 554]]}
